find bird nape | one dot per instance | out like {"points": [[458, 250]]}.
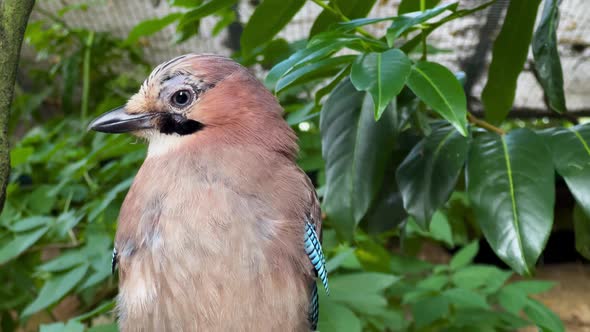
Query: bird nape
{"points": [[220, 228]]}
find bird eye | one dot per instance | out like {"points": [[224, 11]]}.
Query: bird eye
{"points": [[181, 98]]}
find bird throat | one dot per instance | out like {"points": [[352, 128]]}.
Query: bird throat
{"points": [[172, 123]]}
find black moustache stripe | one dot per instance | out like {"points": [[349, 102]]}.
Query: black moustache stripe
{"points": [[171, 123]]}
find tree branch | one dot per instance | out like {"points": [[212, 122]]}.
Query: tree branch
{"points": [[484, 124], [14, 15]]}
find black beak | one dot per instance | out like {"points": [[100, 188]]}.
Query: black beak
{"points": [[118, 121]]}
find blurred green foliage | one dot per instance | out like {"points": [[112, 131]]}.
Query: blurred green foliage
{"points": [[383, 133]]}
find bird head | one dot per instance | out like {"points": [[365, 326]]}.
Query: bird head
{"points": [[199, 100]]}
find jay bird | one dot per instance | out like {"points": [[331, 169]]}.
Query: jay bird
{"points": [[220, 230]]}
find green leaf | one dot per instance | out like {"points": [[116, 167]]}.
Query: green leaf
{"points": [[113, 327], [428, 310], [56, 288], [508, 57], [428, 175], [511, 188], [185, 3], [465, 256], [65, 261], [408, 6], [487, 278], [105, 307], [334, 263], [308, 72], [362, 282], [314, 52], [433, 283], [192, 17], [71, 326], [354, 165], [582, 231], [266, 21], [547, 62], [543, 317], [440, 229], [383, 75], [41, 200], [515, 296], [31, 223], [361, 292], [20, 243], [528, 287], [570, 148], [149, 27], [20, 155], [352, 9], [465, 298], [404, 22], [439, 88], [326, 89], [512, 299], [337, 318]]}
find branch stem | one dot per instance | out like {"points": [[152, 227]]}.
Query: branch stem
{"points": [[342, 17], [484, 124]]}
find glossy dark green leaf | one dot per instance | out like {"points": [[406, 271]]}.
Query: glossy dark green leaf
{"points": [[508, 57], [582, 231], [267, 20], [411, 44], [56, 288], [313, 52], [359, 22], [428, 175], [404, 22], [547, 62], [512, 192], [439, 88], [326, 89], [20, 243], [408, 6], [310, 71], [149, 27], [383, 75], [570, 148], [355, 149], [352, 9]]}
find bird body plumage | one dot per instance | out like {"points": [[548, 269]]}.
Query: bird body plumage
{"points": [[219, 230]]}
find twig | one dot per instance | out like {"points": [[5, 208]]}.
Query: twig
{"points": [[424, 48], [342, 17], [484, 124]]}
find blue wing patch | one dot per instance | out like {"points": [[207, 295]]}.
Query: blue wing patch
{"points": [[313, 249]]}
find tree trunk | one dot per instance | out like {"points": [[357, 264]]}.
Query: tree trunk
{"points": [[14, 15]]}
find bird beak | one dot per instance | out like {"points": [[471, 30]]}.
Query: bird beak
{"points": [[118, 121]]}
